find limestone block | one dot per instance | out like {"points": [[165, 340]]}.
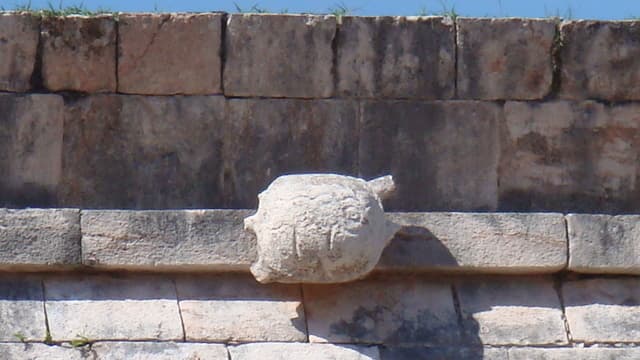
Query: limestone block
{"points": [[293, 351], [320, 228], [158, 351], [390, 311], [604, 244], [31, 129], [42, 352], [267, 138], [19, 33], [442, 353], [279, 55], [593, 353], [37, 238], [513, 311], [79, 53], [161, 54], [233, 307], [504, 58], [600, 60], [603, 310], [184, 239], [112, 307], [442, 155], [478, 242], [21, 309], [569, 156], [396, 57], [143, 152]]}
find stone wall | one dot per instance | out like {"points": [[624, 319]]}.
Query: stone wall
{"points": [[153, 111]]}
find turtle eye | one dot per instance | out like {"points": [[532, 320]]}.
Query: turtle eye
{"points": [[352, 213]]}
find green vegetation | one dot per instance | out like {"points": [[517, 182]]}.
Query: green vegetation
{"points": [[60, 10], [20, 336], [80, 341]]}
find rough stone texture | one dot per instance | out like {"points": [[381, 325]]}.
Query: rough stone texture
{"points": [[279, 55], [268, 138], [442, 353], [494, 243], [21, 309], [233, 307], [570, 156], [284, 351], [320, 228], [512, 311], [162, 54], [19, 34], [603, 310], [112, 307], [37, 238], [413, 141], [396, 57], [604, 244], [600, 60], [574, 354], [391, 311], [79, 53], [504, 58], [43, 352], [185, 239], [159, 351], [31, 130], [142, 152]]}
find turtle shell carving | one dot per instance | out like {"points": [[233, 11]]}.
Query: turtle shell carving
{"points": [[320, 228]]}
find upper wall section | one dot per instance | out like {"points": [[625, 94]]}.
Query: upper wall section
{"points": [[152, 111]]}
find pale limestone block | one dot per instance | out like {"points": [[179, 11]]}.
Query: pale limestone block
{"points": [[293, 351], [21, 309], [79, 53], [275, 55], [19, 35], [158, 351], [112, 307], [320, 228], [164, 54], [603, 310], [36, 351], [505, 58], [233, 307], [513, 311]]}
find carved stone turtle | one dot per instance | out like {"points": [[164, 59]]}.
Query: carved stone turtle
{"points": [[320, 228]]}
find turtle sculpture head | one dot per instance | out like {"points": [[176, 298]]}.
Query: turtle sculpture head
{"points": [[320, 228]]}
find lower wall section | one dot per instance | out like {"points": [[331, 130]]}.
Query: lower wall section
{"points": [[212, 316]]}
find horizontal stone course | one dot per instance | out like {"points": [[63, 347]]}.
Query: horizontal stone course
{"points": [[19, 35]]}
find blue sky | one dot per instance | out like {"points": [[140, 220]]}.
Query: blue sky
{"points": [[576, 9]]}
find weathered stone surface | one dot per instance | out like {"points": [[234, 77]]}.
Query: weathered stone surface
{"points": [[268, 138], [79, 53], [161, 54], [291, 351], [442, 353], [600, 60], [184, 239], [112, 307], [21, 309], [320, 228], [569, 156], [142, 152], [233, 307], [413, 142], [512, 311], [479, 242], [35, 237], [19, 33], [31, 130], [604, 243], [158, 351], [42, 352], [504, 58], [603, 310], [279, 55], [403, 310], [593, 353], [396, 57]]}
